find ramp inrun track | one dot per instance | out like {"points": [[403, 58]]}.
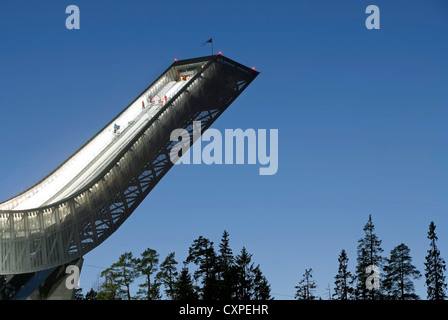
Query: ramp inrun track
{"points": [[85, 199]]}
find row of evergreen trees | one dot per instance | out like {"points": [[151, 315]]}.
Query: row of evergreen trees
{"points": [[216, 276], [380, 278]]}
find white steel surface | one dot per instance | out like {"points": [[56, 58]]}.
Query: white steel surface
{"points": [[84, 166]]}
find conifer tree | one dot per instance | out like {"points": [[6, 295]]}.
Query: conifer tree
{"points": [[306, 287], [244, 284], [369, 255], [226, 269], [168, 274], [203, 255], [343, 280], [111, 288], [399, 273], [184, 288], [125, 272], [261, 286], [225, 252], [329, 294], [155, 289], [146, 266], [77, 294], [91, 295], [435, 268]]}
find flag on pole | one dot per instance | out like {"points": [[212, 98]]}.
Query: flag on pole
{"points": [[209, 41]]}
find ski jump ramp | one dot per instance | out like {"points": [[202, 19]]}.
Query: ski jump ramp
{"points": [[83, 201]]}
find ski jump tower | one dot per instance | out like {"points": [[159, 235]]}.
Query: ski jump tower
{"points": [[81, 203]]}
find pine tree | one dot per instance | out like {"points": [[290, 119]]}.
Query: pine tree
{"points": [[226, 255], [111, 288], [435, 268], [261, 286], [399, 273], [244, 275], [146, 266], [369, 254], [125, 272], [343, 280], [226, 269], [203, 255], [77, 294], [91, 295], [329, 295], [306, 286], [184, 288], [168, 274], [155, 289]]}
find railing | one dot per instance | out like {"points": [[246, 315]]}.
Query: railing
{"points": [[51, 235]]}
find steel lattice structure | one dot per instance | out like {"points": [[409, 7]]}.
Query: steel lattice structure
{"points": [[62, 231]]}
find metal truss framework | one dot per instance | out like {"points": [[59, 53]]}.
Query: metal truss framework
{"points": [[55, 234]]}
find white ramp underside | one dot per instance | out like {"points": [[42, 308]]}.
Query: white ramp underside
{"points": [[89, 161]]}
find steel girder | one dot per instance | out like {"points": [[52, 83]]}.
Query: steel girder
{"points": [[55, 234]]}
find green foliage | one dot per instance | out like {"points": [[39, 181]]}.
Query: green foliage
{"points": [[126, 272], [77, 294], [146, 266], [91, 295], [111, 288], [168, 274]]}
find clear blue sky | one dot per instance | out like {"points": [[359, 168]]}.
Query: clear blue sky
{"points": [[362, 119]]}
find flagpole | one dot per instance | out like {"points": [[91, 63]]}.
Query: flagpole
{"points": [[211, 42]]}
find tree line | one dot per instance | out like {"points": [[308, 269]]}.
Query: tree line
{"points": [[219, 275], [214, 275], [377, 277]]}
